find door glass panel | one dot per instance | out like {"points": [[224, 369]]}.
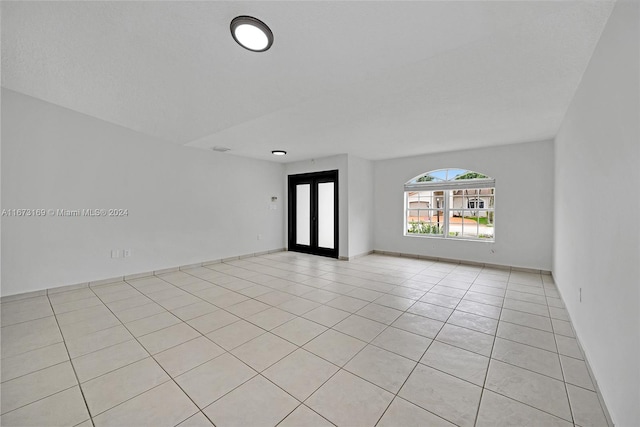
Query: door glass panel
{"points": [[303, 214], [325, 215]]}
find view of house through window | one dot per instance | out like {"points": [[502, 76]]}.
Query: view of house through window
{"points": [[451, 203]]}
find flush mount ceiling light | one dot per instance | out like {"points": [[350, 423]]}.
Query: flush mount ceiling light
{"points": [[251, 33], [221, 149], [279, 152]]}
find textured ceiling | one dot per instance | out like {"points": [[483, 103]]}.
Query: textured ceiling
{"points": [[373, 79]]}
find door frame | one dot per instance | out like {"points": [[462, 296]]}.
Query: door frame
{"points": [[313, 178]]}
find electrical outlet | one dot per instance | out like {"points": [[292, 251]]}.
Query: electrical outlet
{"points": [[259, 236], [126, 253], [115, 253]]}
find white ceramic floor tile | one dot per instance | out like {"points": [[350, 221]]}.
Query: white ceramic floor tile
{"points": [[361, 328], [263, 351], [82, 315], [270, 318], [327, 316], [335, 347], [346, 303], [64, 408], [527, 307], [300, 373], [401, 342], [34, 360], [108, 359], [467, 339], [26, 336], [97, 340], [455, 361], [212, 321], [128, 303], [500, 411], [562, 327], [347, 400], [441, 300], [568, 347], [89, 326], [194, 310], [431, 311], [212, 380], [179, 302], [576, 372], [299, 330], [275, 297], [164, 339], [164, 405], [528, 387], [111, 389], [406, 414], [366, 294], [247, 308], [25, 310], [532, 358], [152, 323], [304, 417], [418, 325], [228, 299], [526, 296], [184, 357], [379, 313], [526, 319], [65, 307], [473, 321], [444, 395], [28, 388], [486, 310], [449, 317], [298, 306], [137, 313], [383, 368], [528, 336], [559, 313], [586, 408], [235, 334], [255, 403], [449, 290], [197, 420], [126, 292]]}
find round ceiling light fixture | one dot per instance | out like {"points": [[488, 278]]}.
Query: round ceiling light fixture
{"points": [[251, 33], [279, 153]]}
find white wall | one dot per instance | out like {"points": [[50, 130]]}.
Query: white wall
{"points": [[361, 207], [523, 206], [597, 158], [185, 205], [340, 164]]}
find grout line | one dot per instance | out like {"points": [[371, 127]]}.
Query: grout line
{"points": [[42, 398], [161, 367], [341, 275], [486, 375], [564, 380], [72, 366]]}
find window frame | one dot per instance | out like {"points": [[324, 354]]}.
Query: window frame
{"points": [[473, 201], [448, 187]]}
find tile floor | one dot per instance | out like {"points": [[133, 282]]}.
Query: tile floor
{"points": [[294, 340]]}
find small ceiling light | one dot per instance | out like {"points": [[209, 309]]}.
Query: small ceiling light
{"points": [[251, 33], [279, 152], [221, 149]]}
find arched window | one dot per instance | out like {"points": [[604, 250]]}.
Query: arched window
{"points": [[451, 203]]}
